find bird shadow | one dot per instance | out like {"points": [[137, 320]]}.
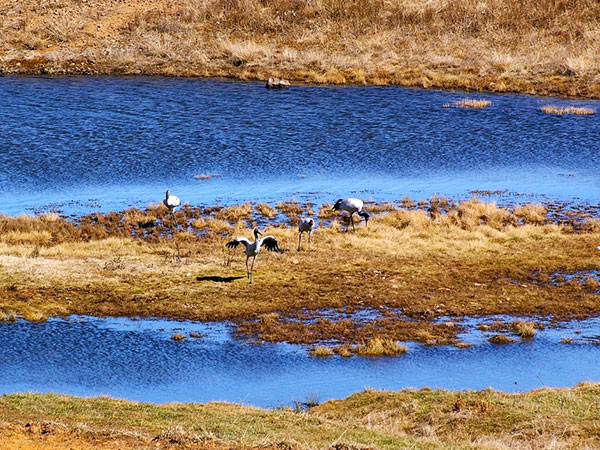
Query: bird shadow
{"points": [[219, 279]]}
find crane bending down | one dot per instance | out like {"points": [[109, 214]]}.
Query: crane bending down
{"points": [[171, 201], [351, 206], [305, 226], [252, 248]]}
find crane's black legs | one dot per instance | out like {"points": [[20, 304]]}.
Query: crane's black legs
{"points": [[252, 269], [299, 239]]}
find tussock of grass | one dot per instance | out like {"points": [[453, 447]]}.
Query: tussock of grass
{"points": [[291, 209], [578, 111], [320, 351], [591, 283], [377, 347], [177, 337], [472, 103], [234, 213], [34, 316], [8, 316], [500, 339], [531, 213], [266, 211], [343, 350], [526, 330]]}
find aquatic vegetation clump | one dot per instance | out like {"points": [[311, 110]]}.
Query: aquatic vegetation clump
{"points": [[526, 330], [500, 339], [320, 351], [380, 347], [578, 111], [266, 211], [472, 103], [234, 213]]}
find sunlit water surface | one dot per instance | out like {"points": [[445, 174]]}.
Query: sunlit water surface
{"points": [[82, 144], [138, 360]]}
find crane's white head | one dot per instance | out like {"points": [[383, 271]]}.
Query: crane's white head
{"points": [[336, 207], [167, 194], [257, 233], [311, 223]]}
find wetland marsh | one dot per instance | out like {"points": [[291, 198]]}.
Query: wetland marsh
{"points": [[103, 278]]}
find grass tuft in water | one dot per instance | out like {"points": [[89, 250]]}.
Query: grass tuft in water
{"points": [[500, 339], [578, 111], [526, 330], [320, 350]]}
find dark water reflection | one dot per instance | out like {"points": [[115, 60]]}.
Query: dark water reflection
{"points": [[80, 144], [138, 360]]}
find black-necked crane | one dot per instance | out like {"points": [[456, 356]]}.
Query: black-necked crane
{"points": [[171, 201], [252, 248], [305, 226], [351, 206]]}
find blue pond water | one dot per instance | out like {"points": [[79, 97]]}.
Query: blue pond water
{"points": [[82, 144], [138, 360]]}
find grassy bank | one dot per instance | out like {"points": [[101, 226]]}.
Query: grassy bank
{"points": [[545, 47], [544, 418], [411, 266]]}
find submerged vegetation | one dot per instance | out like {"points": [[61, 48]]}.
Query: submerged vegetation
{"points": [[358, 292], [543, 418], [545, 47]]}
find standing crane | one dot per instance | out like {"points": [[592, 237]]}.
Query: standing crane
{"points": [[171, 201], [351, 206], [305, 225], [252, 248]]}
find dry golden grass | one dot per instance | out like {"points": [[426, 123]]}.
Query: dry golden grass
{"points": [[424, 418], [473, 258], [549, 109], [542, 47]]}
